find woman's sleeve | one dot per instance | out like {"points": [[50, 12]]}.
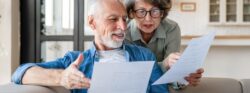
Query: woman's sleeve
{"points": [[174, 38]]}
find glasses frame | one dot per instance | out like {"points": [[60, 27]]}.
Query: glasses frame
{"points": [[150, 13]]}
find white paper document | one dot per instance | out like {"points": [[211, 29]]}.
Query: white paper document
{"points": [[125, 77], [191, 60]]}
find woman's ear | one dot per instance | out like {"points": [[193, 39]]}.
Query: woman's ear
{"points": [[91, 22]]}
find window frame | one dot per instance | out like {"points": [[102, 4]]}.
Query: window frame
{"points": [[32, 37]]}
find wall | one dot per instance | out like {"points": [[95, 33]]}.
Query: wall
{"points": [[196, 23], [228, 61], [9, 38], [228, 57]]}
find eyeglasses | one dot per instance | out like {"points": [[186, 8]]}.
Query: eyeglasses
{"points": [[155, 13]]}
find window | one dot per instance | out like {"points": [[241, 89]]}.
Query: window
{"points": [[59, 17], [50, 28], [229, 12], [231, 6], [51, 50], [64, 28], [214, 11], [246, 13]]}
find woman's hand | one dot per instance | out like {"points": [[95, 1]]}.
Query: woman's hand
{"points": [[171, 59], [194, 78]]}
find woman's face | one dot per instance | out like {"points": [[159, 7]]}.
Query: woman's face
{"points": [[147, 22]]}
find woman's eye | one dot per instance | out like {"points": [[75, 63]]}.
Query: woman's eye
{"points": [[156, 11], [141, 11]]}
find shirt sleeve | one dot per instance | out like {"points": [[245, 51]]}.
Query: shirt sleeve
{"points": [[60, 63], [174, 38], [174, 46], [18, 74], [155, 75], [178, 86]]}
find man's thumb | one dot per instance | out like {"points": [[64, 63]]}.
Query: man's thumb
{"points": [[79, 60]]}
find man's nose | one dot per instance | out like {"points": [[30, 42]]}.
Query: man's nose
{"points": [[122, 25]]}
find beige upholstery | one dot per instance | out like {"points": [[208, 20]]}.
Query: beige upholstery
{"points": [[214, 85], [245, 85], [14, 88], [59, 89]]}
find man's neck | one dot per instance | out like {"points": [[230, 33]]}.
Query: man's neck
{"points": [[99, 46]]}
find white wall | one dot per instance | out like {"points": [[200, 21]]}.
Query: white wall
{"points": [[224, 60], [227, 57], [9, 38], [196, 23], [228, 61]]}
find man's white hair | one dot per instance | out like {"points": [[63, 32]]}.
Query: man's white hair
{"points": [[92, 6]]}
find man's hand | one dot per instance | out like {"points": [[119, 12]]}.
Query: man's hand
{"points": [[194, 78], [72, 78], [171, 59]]}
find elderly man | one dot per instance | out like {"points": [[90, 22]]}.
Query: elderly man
{"points": [[107, 18]]}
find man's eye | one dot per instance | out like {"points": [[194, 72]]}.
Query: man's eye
{"points": [[113, 19], [124, 18]]}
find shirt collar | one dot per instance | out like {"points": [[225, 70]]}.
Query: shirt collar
{"points": [[160, 31], [93, 52]]}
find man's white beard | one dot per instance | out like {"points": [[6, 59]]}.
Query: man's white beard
{"points": [[110, 43]]}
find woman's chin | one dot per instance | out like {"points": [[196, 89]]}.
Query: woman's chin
{"points": [[148, 31]]}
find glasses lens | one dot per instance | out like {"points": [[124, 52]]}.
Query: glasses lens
{"points": [[140, 13], [155, 13]]}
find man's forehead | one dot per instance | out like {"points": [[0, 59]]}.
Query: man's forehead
{"points": [[112, 3], [113, 7]]}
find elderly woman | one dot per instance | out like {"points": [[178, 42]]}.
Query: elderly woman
{"points": [[149, 27]]}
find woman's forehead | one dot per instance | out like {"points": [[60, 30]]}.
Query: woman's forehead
{"points": [[153, 3], [143, 4]]}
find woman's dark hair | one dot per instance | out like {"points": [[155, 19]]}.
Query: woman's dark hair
{"points": [[164, 5]]}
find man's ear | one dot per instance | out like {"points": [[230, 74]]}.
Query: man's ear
{"points": [[91, 22]]}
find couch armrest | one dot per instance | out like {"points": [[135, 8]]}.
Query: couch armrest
{"points": [[213, 85], [60, 89], [14, 88], [245, 85]]}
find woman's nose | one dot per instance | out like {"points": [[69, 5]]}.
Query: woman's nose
{"points": [[148, 17]]}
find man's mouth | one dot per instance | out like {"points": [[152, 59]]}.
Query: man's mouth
{"points": [[119, 36]]}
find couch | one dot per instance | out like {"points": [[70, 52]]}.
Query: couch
{"points": [[207, 85]]}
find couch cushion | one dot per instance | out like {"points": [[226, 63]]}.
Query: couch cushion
{"points": [[13, 88], [213, 85], [245, 85], [60, 89]]}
